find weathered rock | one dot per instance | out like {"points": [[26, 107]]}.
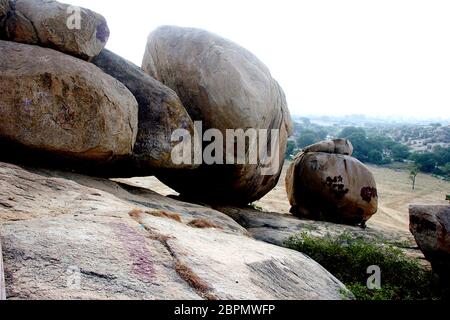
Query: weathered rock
{"points": [[331, 187], [160, 113], [226, 87], [55, 103], [430, 225], [336, 146], [127, 243], [276, 228], [46, 23], [2, 273]]}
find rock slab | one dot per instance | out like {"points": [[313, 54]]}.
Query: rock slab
{"points": [[69, 236]]}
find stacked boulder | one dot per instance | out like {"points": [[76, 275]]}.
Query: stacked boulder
{"points": [[66, 100], [430, 225], [325, 183], [52, 101], [225, 87], [160, 114], [104, 115]]}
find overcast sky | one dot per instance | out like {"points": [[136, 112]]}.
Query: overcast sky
{"points": [[378, 57]]}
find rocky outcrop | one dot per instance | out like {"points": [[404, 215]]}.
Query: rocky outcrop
{"points": [[277, 228], [160, 114], [69, 236], [52, 24], [63, 106], [2, 279], [430, 225], [331, 187], [226, 87]]}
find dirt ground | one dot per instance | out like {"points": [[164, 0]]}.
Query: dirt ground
{"points": [[394, 189]]}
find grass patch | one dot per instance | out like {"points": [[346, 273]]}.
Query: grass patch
{"points": [[347, 257], [254, 206]]}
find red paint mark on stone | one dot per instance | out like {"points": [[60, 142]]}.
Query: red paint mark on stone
{"points": [[137, 249]]}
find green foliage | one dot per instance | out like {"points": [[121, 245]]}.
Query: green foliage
{"points": [[426, 161], [376, 149], [348, 258], [308, 133], [254, 206], [307, 138], [400, 152], [290, 149]]}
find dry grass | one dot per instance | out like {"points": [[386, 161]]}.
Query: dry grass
{"points": [[193, 280], [203, 224], [135, 213]]}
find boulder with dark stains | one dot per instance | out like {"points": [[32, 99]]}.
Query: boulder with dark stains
{"points": [[76, 31], [430, 225], [331, 187]]}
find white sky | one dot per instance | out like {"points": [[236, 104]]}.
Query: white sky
{"points": [[377, 57]]}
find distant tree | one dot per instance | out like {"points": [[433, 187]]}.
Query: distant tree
{"points": [[425, 161], [291, 147], [446, 169], [442, 155], [400, 152], [347, 132], [413, 175], [375, 157], [306, 139]]}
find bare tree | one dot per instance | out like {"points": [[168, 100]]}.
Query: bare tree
{"points": [[413, 175]]}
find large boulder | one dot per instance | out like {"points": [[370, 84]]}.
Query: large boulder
{"points": [[225, 87], [52, 24], [70, 236], [160, 114], [331, 187], [56, 104], [430, 225]]}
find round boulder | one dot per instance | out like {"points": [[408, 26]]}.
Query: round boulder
{"points": [[225, 87], [54, 103], [73, 30], [331, 187]]}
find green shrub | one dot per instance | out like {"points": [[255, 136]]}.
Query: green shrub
{"points": [[348, 257]]}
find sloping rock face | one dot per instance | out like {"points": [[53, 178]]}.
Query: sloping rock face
{"points": [[331, 187], [276, 228], [160, 114], [226, 87], [68, 236], [60, 105], [430, 225], [46, 23]]}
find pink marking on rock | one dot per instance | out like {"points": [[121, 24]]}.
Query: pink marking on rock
{"points": [[136, 245]]}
